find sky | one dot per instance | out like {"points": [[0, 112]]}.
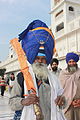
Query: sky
{"points": [[15, 15]]}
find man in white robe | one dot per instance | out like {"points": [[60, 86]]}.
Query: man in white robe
{"points": [[49, 92]]}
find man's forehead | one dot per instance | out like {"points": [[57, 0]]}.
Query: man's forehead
{"points": [[40, 57], [54, 63], [72, 60]]}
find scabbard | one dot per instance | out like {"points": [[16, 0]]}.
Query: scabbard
{"points": [[23, 64]]}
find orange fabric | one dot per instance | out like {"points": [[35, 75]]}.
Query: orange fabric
{"points": [[25, 95], [23, 64], [54, 50], [50, 32]]}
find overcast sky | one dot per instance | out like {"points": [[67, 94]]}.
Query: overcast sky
{"points": [[15, 15]]}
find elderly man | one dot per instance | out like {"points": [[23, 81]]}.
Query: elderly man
{"points": [[70, 80], [38, 44]]}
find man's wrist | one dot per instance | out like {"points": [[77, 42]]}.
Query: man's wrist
{"points": [[23, 102]]}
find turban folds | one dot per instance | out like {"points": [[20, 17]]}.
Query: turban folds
{"points": [[35, 36], [73, 56]]}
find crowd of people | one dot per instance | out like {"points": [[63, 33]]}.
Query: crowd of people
{"points": [[44, 93], [6, 82]]}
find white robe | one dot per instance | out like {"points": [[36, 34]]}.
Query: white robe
{"points": [[56, 90]]}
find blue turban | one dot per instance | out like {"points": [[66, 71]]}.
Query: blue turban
{"points": [[73, 56], [31, 40]]}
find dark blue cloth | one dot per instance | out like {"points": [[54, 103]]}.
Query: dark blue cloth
{"points": [[32, 40], [73, 56], [17, 115], [32, 25]]}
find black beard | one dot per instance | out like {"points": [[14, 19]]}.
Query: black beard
{"points": [[73, 68], [54, 69]]}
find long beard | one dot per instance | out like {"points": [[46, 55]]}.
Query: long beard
{"points": [[73, 68], [40, 70]]}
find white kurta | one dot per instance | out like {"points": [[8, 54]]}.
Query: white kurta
{"points": [[56, 90]]}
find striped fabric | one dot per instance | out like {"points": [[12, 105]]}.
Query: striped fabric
{"points": [[2, 83], [41, 51]]}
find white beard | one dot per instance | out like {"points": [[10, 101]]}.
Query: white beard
{"points": [[40, 70], [72, 69]]}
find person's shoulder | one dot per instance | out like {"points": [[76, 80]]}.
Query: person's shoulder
{"points": [[20, 78], [63, 70], [78, 68], [20, 75], [59, 69], [78, 71], [52, 75]]}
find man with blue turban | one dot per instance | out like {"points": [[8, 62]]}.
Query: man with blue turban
{"points": [[70, 80], [38, 44]]}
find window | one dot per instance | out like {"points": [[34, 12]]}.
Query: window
{"points": [[71, 8], [60, 27], [59, 13], [11, 56]]}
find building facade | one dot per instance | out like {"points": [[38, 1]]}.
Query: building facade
{"points": [[11, 64], [65, 24]]}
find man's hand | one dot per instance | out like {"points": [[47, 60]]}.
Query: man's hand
{"points": [[60, 101], [31, 99]]}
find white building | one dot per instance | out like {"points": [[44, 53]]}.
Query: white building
{"points": [[65, 24], [11, 64]]}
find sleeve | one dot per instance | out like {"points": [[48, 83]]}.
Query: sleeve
{"points": [[15, 97], [55, 83], [59, 87], [62, 78]]}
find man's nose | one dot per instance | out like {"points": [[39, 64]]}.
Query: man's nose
{"points": [[71, 63], [40, 61]]}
